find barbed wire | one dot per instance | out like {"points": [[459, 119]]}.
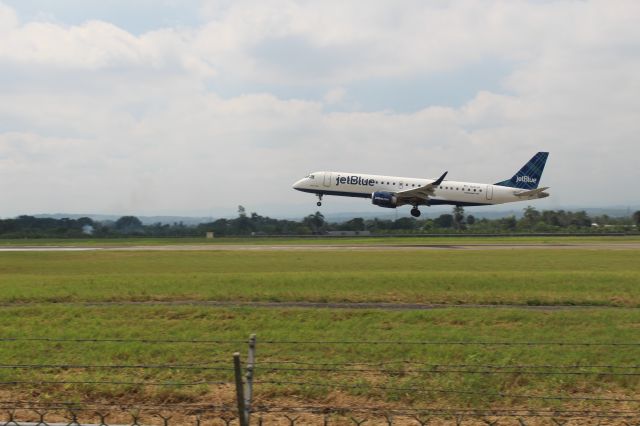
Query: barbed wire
{"points": [[319, 342], [435, 369], [451, 371], [108, 382], [467, 410], [117, 340], [428, 364], [115, 367], [88, 406], [447, 391], [444, 343]]}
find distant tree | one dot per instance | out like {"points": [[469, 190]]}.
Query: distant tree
{"points": [[242, 225], [458, 217], [355, 224], [636, 218], [552, 217], [220, 227], [128, 224], [84, 221], [580, 219], [471, 220], [508, 223], [315, 222], [443, 221], [405, 224], [530, 217]]}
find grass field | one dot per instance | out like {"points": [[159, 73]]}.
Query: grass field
{"points": [[44, 295], [308, 325], [526, 277]]}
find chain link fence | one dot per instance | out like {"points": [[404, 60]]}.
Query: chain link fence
{"points": [[244, 377]]}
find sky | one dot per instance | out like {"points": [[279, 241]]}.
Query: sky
{"points": [[193, 107]]}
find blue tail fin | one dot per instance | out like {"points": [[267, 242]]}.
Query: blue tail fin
{"points": [[529, 175]]}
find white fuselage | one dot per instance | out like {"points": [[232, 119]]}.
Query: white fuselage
{"points": [[448, 192]]}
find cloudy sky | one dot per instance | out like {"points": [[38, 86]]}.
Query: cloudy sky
{"points": [[192, 107]]}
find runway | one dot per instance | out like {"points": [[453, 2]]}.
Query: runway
{"points": [[331, 247]]}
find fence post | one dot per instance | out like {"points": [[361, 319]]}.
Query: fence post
{"points": [[239, 390], [251, 359]]}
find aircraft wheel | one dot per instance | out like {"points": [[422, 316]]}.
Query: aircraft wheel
{"points": [[415, 212]]}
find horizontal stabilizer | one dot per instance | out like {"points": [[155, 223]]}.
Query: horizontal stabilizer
{"points": [[538, 191]]}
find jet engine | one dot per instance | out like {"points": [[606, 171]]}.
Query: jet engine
{"points": [[384, 199]]}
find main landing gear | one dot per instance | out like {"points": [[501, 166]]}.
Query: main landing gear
{"points": [[415, 212], [319, 203]]}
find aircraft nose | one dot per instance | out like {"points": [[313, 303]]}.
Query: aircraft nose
{"points": [[298, 184]]}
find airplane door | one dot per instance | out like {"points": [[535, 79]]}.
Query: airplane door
{"points": [[489, 192], [327, 179]]}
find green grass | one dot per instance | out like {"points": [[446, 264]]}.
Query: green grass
{"points": [[525, 277], [35, 285], [314, 240], [309, 325]]}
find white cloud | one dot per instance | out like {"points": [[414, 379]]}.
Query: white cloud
{"points": [[93, 118], [8, 19], [335, 95]]}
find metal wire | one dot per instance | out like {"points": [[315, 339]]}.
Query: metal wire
{"points": [[107, 382], [318, 342], [427, 364], [117, 340], [435, 369], [452, 371], [81, 406], [434, 342], [90, 407], [76, 415], [114, 367], [447, 391]]}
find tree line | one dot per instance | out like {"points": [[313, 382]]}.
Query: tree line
{"points": [[532, 220]]}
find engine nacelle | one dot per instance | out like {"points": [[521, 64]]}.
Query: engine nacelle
{"points": [[384, 199]]}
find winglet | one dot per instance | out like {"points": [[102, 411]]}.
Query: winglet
{"points": [[440, 179]]}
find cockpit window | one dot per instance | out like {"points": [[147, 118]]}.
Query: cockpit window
{"points": [[310, 177]]}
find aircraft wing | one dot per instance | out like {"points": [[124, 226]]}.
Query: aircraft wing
{"points": [[421, 193]]}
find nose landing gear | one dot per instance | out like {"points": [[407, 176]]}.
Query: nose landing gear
{"points": [[415, 212], [319, 203]]}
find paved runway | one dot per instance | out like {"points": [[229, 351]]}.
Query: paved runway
{"points": [[332, 247]]}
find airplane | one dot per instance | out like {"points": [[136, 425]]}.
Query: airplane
{"points": [[392, 191]]}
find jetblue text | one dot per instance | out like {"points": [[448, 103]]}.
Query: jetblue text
{"points": [[526, 179], [354, 180]]}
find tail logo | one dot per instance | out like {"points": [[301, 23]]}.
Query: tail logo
{"points": [[526, 179]]}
